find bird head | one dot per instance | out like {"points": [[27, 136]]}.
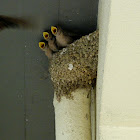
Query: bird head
{"points": [[42, 45], [55, 30], [47, 35]]}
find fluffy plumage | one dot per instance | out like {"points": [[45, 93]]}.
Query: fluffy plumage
{"points": [[51, 40], [63, 38], [45, 47]]}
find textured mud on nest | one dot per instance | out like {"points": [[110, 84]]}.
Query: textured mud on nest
{"points": [[75, 66]]}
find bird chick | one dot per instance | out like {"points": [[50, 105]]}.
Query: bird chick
{"points": [[10, 22], [51, 41], [63, 38], [45, 47]]}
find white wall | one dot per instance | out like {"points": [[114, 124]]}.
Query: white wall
{"points": [[118, 84]]}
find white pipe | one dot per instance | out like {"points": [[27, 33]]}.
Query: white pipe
{"points": [[70, 68], [72, 116]]}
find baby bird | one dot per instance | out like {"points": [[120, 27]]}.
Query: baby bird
{"points": [[45, 47], [51, 40], [63, 38], [10, 22]]}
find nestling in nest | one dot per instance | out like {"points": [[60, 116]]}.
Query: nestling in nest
{"points": [[75, 66]]}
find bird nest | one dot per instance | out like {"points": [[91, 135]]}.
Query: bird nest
{"points": [[75, 66]]}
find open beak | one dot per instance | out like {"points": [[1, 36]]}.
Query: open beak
{"points": [[41, 45], [53, 30], [46, 35]]}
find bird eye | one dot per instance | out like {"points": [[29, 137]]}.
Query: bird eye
{"points": [[41, 45], [46, 35]]}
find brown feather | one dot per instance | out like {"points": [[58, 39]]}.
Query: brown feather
{"points": [[11, 22]]}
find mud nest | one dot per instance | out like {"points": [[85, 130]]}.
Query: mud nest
{"points": [[75, 66]]}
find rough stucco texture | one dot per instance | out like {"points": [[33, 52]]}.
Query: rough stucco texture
{"points": [[75, 66]]}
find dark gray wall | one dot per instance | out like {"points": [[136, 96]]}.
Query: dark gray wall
{"points": [[26, 98]]}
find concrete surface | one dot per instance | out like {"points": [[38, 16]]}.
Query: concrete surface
{"points": [[26, 101], [118, 82]]}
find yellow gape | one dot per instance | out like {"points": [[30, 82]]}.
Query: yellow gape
{"points": [[46, 35], [41, 45], [53, 30]]}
